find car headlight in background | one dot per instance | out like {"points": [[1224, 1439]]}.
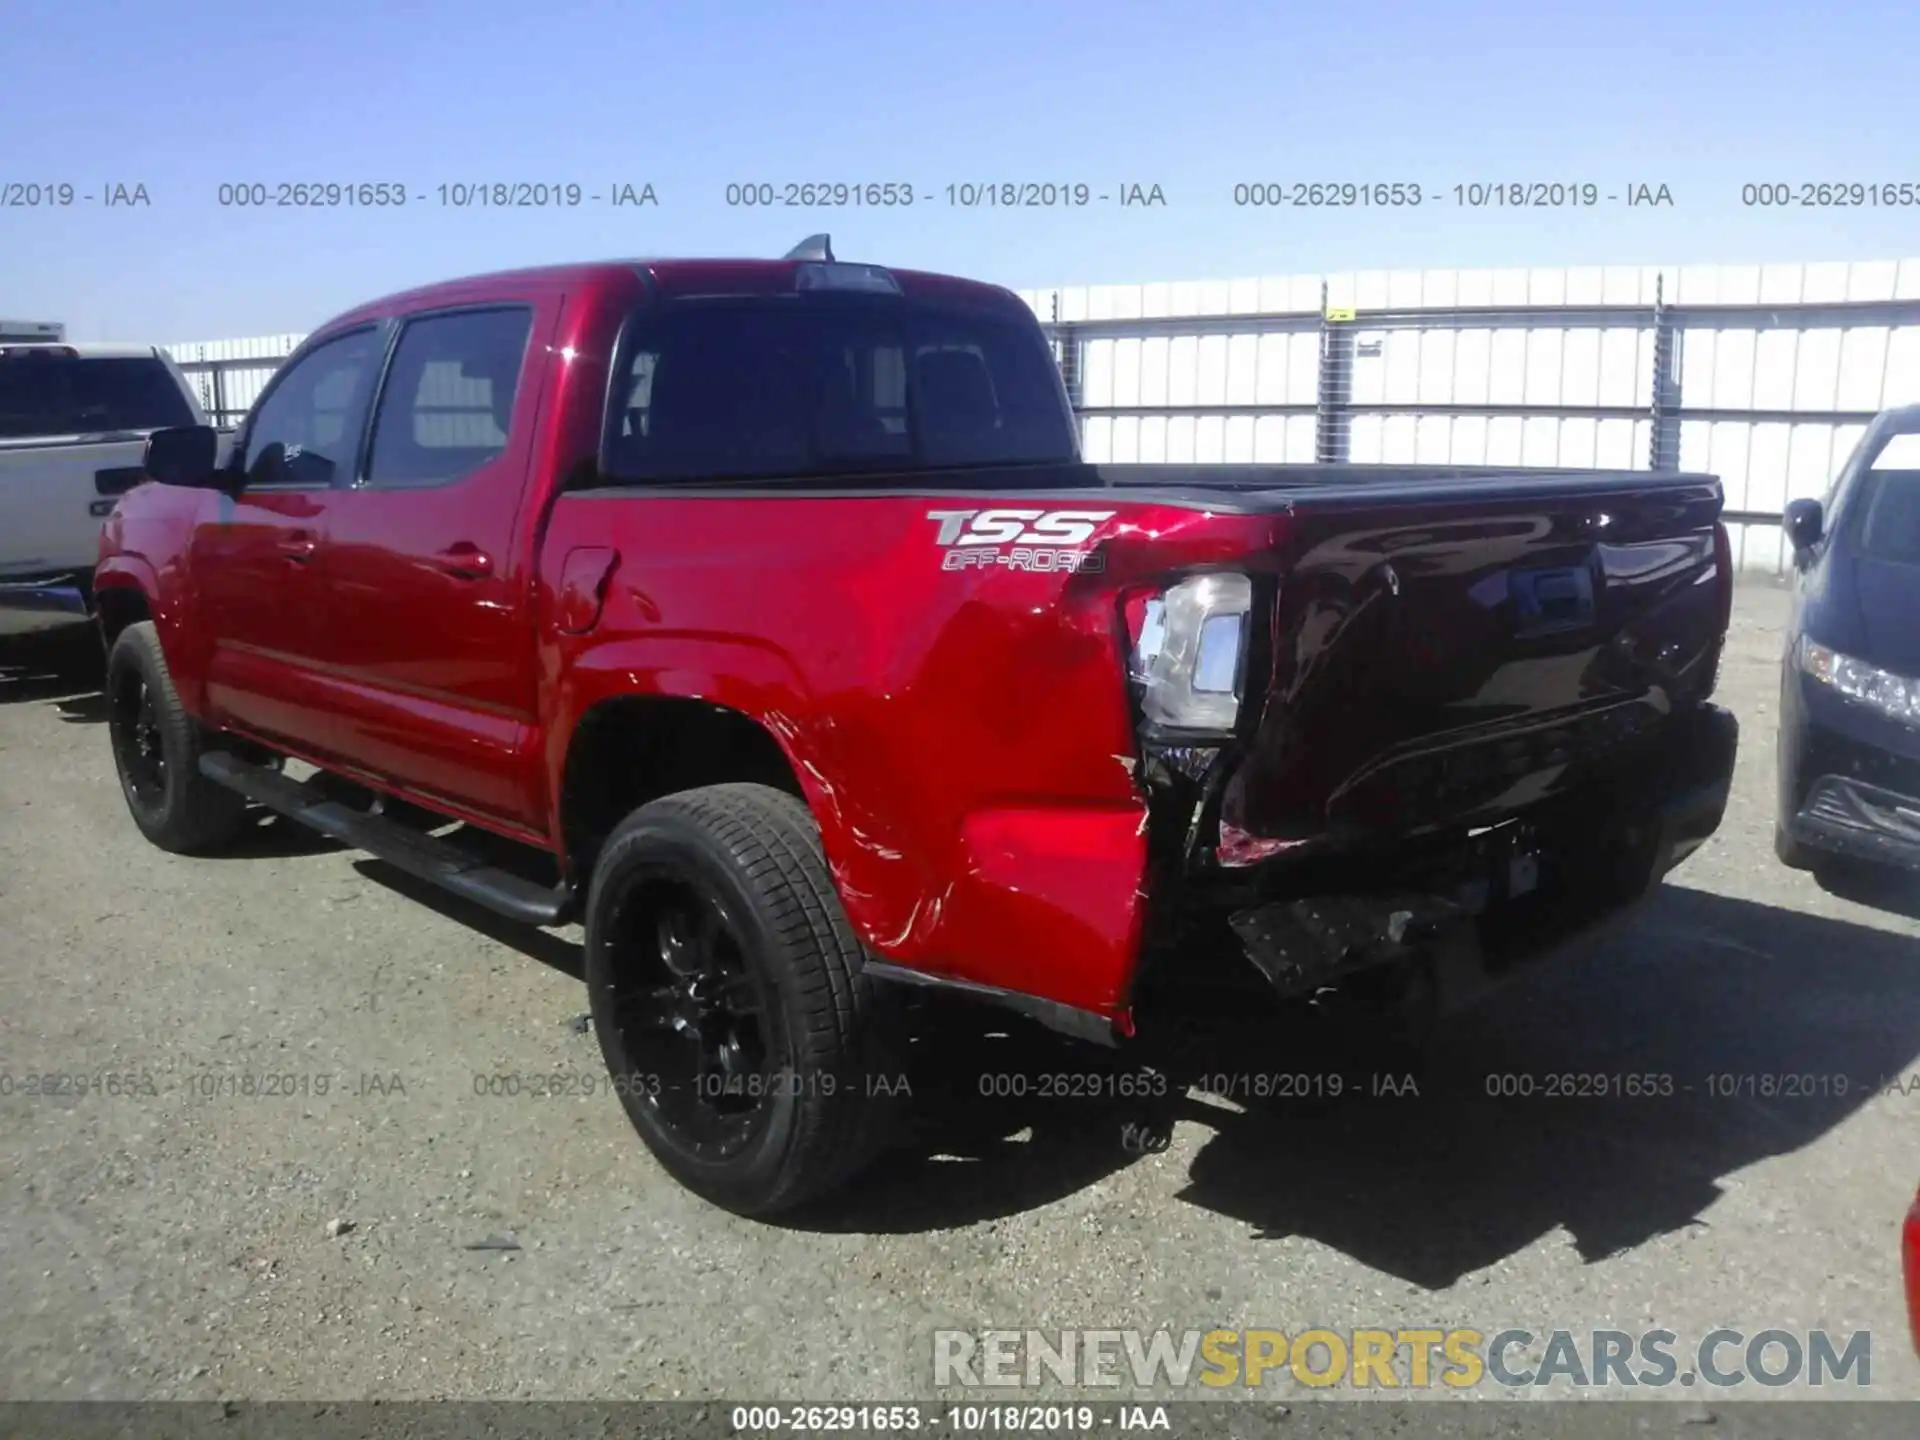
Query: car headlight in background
{"points": [[1890, 694], [1189, 652]]}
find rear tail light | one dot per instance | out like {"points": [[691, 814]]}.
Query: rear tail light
{"points": [[1187, 659], [1188, 656]]}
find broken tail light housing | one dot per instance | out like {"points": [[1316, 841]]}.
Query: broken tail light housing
{"points": [[1188, 658], [1189, 648]]}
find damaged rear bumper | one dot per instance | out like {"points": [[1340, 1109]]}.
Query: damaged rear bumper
{"points": [[1473, 905]]}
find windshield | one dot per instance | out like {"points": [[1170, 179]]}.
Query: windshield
{"points": [[806, 386], [51, 394], [1890, 521]]}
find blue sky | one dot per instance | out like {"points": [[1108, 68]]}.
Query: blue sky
{"points": [[1195, 98]]}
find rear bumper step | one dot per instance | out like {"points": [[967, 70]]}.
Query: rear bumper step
{"points": [[425, 857]]}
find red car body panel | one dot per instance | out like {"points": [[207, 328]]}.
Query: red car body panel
{"points": [[964, 740], [1910, 1267]]}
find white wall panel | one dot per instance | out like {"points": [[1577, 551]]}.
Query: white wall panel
{"points": [[1863, 368], [1467, 440], [1438, 349], [1540, 440], [1817, 370], [1433, 443], [1580, 367], [1763, 465], [1546, 350], [1902, 384], [1507, 369], [1620, 357], [1580, 443], [1775, 363], [1473, 367], [1242, 356]]}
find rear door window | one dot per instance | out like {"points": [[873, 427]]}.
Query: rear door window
{"points": [[447, 405], [45, 393], [797, 387]]}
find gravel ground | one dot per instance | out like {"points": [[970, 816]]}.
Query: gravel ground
{"points": [[177, 1242]]}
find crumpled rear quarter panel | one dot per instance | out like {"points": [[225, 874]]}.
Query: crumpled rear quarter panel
{"points": [[965, 739]]}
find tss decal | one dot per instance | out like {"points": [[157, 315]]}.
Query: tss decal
{"points": [[1043, 541]]}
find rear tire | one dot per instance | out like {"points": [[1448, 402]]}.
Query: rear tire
{"points": [[156, 750], [726, 986]]}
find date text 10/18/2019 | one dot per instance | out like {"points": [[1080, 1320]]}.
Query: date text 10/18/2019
{"points": [[1070, 1419]]}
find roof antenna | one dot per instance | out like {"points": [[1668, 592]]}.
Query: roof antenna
{"points": [[814, 247]]}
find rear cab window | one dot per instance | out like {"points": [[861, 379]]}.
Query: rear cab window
{"points": [[830, 387], [54, 392]]}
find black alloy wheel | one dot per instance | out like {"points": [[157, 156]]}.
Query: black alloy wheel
{"points": [[156, 751], [746, 1043], [689, 1016], [137, 741]]}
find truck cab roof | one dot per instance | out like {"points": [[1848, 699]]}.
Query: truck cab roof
{"points": [[678, 278]]}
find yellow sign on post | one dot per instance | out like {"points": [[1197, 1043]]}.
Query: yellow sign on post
{"points": [[1340, 312]]}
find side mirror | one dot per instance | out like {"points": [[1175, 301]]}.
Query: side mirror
{"points": [[1805, 523], [182, 455]]}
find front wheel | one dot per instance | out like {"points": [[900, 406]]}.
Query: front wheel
{"points": [[727, 992], [156, 750]]}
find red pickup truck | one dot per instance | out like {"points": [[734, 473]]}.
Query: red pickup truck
{"points": [[774, 603]]}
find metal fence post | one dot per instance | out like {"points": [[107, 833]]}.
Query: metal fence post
{"points": [[1333, 417], [1664, 445], [1069, 357]]}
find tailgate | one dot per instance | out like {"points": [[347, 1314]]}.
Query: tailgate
{"points": [[54, 496], [1449, 652]]}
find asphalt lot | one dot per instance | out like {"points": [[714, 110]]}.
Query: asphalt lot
{"points": [[175, 1244]]}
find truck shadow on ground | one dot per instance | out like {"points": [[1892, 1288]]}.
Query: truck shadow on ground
{"points": [[1753, 1031], [1877, 887], [550, 949], [65, 669]]}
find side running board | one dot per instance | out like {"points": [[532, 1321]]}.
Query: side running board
{"points": [[423, 856]]}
